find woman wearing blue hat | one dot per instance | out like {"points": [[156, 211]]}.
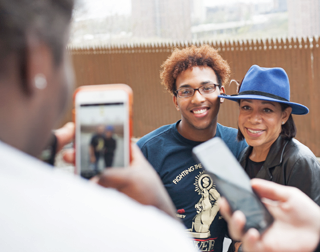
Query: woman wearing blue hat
{"points": [[265, 121]]}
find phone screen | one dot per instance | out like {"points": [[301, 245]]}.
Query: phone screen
{"points": [[102, 137], [232, 182], [247, 202]]}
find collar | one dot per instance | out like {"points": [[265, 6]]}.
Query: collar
{"points": [[188, 141], [274, 157]]}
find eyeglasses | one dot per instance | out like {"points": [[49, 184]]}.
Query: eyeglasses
{"points": [[186, 92]]}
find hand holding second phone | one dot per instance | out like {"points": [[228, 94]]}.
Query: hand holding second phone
{"points": [[296, 224]]}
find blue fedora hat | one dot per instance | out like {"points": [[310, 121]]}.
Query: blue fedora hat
{"points": [[268, 84]]}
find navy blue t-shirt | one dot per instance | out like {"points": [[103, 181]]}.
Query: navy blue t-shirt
{"points": [[191, 190]]}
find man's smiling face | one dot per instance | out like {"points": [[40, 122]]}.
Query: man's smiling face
{"points": [[198, 112]]}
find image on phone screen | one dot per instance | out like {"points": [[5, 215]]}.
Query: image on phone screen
{"points": [[101, 137]]}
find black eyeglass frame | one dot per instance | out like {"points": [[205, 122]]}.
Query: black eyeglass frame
{"points": [[197, 89]]}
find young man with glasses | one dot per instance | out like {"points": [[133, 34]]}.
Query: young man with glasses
{"points": [[195, 77]]}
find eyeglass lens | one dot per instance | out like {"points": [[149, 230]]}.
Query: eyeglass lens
{"points": [[205, 89]]}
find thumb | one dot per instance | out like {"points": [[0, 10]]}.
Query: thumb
{"points": [[270, 190], [65, 134], [114, 178], [137, 156]]}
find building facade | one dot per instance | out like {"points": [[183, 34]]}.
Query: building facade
{"points": [[304, 18], [165, 19]]}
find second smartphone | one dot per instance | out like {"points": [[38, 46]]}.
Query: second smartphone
{"points": [[233, 183], [103, 119]]}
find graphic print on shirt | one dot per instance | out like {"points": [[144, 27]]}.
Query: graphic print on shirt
{"points": [[100, 144], [207, 207]]}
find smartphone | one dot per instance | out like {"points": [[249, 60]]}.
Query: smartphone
{"points": [[103, 120], [233, 183]]}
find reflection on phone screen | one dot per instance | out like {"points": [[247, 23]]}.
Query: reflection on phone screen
{"points": [[232, 182], [257, 216], [101, 137]]}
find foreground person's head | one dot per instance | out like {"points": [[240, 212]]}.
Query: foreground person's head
{"points": [[35, 74], [265, 107]]}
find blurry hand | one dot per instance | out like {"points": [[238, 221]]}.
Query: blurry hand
{"points": [[64, 136], [92, 159], [297, 220], [140, 182]]}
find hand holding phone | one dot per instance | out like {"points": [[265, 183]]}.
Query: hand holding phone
{"points": [[233, 183], [288, 206], [140, 182], [103, 127]]}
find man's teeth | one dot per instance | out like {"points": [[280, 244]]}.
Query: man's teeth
{"points": [[254, 131], [199, 111]]}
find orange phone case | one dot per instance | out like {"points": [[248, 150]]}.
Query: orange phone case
{"points": [[104, 87]]}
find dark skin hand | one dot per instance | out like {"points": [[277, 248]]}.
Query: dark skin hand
{"points": [[139, 181], [65, 135]]}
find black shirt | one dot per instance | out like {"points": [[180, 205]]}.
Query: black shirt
{"points": [[97, 142], [252, 168]]}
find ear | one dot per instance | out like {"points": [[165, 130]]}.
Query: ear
{"points": [[285, 114], [222, 91], [38, 61], [176, 103]]}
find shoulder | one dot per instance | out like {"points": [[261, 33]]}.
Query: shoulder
{"points": [[299, 150], [298, 154], [229, 136], [226, 130], [156, 135]]}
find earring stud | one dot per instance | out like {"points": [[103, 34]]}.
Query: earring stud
{"points": [[40, 81]]}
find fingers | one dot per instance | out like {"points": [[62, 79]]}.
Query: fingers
{"points": [[120, 177], [225, 209], [65, 134], [95, 179], [236, 225], [137, 156], [140, 182], [114, 177], [251, 241], [69, 156], [236, 221], [271, 190]]}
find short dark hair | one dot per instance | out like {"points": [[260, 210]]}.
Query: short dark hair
{"points": [[288, 130], [47, 19]]}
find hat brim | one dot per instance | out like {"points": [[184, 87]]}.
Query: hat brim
{"points": [[297, 109]]}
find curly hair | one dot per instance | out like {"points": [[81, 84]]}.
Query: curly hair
{"points": [[181, 60]]}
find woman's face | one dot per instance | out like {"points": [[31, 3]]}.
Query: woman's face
{"points": [[260, 121]]}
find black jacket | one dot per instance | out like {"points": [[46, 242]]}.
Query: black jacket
{"points": [[291, 163]]}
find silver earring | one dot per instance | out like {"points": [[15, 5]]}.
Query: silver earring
{"points": [[40, 81], [282, 123]]}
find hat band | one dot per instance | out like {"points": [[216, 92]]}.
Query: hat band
{"points": [[252, 92]]}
